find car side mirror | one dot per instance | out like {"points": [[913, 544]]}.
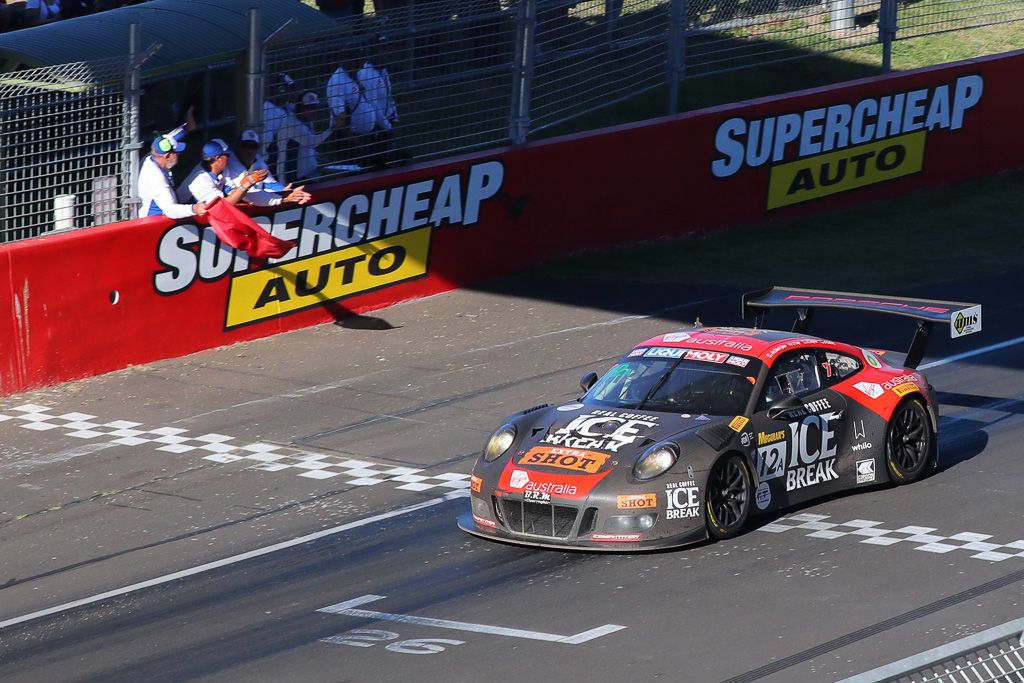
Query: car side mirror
{"points": [[785, 408], [587, 381]]}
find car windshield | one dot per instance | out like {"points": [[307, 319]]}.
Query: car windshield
{"points": [[676, 386]]}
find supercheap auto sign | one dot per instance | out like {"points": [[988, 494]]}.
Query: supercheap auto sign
{"points": [[825, 150], [365, 241]]}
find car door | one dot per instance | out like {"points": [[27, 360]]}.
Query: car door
{"points": [[798, 446]]}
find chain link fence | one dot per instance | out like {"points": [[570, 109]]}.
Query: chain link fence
{"points": [[448, 76], [62, 148]]}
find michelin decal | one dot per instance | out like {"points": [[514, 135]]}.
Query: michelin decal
{"points": [[826, 150], [363, 242]]}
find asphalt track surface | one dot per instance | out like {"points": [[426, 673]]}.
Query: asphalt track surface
{"points": [[356, 444]]}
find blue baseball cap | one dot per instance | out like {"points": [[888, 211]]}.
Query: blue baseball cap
{"points": [[167, 143], [215, 148]]}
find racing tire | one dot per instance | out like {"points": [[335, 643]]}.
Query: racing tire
{"points": [[909, 442], [728, 498]]}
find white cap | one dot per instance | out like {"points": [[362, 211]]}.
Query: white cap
{"points": [[310, 98], [249, 135]]}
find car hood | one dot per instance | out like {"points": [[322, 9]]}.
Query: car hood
{"points": [[618, 434]]}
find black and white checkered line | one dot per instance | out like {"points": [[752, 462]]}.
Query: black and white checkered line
{"points": [[922, 537], [220, 448]]}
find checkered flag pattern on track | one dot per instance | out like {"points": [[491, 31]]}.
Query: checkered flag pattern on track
{"points": [[221, 448], [921, 537]]}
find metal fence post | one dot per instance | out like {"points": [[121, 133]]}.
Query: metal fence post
{"points": [[130, 116], [522, 74], [255, 78], [676, 49], [887, 29]]}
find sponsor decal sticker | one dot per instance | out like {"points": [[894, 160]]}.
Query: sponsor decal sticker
{"points": [[682, 500], [865, 471], [520, 478], [818, 406], [475, 483], [763, 496], [636, 352], [805, 457], [636, 501], [738, 361], [364, 242], [904, 389], [616, 538], [738, 423], [675, 337], [564, 458], [480, 521], [826, 150], [863, 446], [664, 352], [536, 497], [709, 356], [724, 343], [966, 321], [869, 388], [872, 359], [764, 438], [746, 438], [601, 430]]}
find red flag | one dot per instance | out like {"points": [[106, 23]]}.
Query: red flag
{"points": [[241, 232]]}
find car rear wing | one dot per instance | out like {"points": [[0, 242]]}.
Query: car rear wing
{"points": [[962, 318]]}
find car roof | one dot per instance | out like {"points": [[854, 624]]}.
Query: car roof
{"points": [[765, 345]]}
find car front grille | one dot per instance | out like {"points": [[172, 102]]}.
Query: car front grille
{"points": [[537, 519]]}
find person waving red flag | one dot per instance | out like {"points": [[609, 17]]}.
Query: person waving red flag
{"points": [[242, 232]]}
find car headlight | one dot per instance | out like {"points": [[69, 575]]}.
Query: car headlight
{"points": [[656, 460], [499, 442]]}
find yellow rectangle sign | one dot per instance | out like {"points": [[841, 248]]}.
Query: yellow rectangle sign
{"points": [[308, 282], [904, 389], [846, 169]]}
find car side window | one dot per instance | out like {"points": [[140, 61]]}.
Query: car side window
{"points": [[836, 366], [795, 374]]}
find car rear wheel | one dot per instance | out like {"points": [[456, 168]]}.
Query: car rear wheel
{"points": [[728, 497], [908, 442]]}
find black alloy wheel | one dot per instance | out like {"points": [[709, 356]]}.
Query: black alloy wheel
{"points": [[908, 442], [728, 497]]}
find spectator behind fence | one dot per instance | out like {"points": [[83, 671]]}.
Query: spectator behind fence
{"points": [[375, 84], [207, 182], [297, 142], [347, 100], [156, 187], [38, 12], [339, 9], [246, 159], [276, 109]]}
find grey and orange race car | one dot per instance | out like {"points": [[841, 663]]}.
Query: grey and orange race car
{"points": [[693, 431]]}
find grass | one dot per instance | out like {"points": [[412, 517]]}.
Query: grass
{"points": [[947, 233]]}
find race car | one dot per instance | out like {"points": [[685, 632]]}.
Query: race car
{"points": [[693, 431]]}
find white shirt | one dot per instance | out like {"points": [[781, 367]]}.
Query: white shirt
{"points": [[267, 192], [297, 143], [156, 190], [273, 116], [201, 185], [376, 87], [344, 95]]}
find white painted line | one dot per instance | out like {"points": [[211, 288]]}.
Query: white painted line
{"points": [[234, 559], [591, 326], [348, 608], [971, 354]]}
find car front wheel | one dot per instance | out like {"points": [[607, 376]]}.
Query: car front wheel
{"points": [[728, 497]]}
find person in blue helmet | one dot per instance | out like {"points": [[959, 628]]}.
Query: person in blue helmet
{"points": [[207, 181]]}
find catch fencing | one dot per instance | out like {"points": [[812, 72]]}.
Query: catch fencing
{"points": [[463, 75]]}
